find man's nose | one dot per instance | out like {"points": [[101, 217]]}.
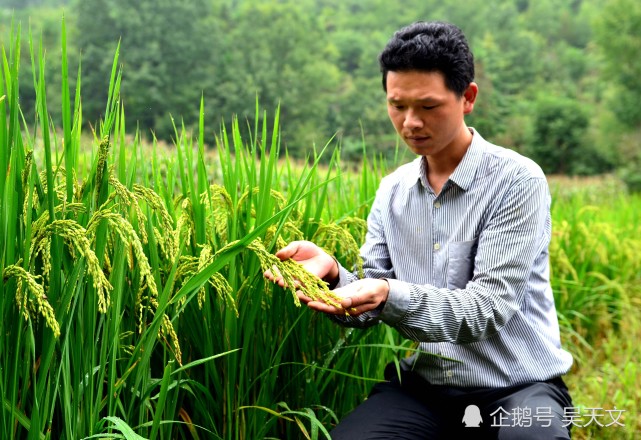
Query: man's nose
{"points": [[412, 120]]}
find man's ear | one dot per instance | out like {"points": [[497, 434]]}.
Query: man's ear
{"points": [[469, 97]]}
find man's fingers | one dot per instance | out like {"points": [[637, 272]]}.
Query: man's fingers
{"points": [[347, 302], [353, 311], [269, 275], [320, 306], [303, 298], [364, 295], [288, 251], [325, 308], [272, 273]]}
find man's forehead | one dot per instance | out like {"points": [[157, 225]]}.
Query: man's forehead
{"points": [[416, 85]]}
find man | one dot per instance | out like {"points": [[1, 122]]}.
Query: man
{"points": [[456, 257]]}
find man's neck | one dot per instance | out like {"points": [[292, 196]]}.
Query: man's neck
{"points": [[439, 169]]}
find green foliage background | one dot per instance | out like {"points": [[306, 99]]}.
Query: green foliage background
{"points": [[554, 74]]}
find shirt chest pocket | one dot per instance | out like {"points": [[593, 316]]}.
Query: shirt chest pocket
{"points": [[460, 263]]}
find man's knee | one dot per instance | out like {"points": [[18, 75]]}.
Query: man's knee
{"points": [[545, 420]]}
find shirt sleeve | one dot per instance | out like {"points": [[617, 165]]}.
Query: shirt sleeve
{"points": [[514, 234]]}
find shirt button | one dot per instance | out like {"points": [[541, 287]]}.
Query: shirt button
{"points": [[437, 246], [437, 205], [449, 373]]}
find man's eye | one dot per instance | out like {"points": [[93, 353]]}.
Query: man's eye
{"points": [[399, 107], [428, 107]]}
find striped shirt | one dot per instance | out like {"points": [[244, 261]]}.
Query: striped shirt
{"points": [[468, 269]]}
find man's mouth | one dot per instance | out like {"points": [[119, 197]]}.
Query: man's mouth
{"points": [[417, 139]]}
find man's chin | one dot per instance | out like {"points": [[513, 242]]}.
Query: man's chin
{"points": [[420, 150]]}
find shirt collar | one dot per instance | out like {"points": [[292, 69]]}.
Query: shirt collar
{"points": [[463, 175]]}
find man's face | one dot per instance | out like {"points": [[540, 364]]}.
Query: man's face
{"points": [[426, 114]]}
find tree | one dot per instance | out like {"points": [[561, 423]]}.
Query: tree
{"points": [[166, 47], [558, 140], [618, 35], [25, 4], [278, 52]]}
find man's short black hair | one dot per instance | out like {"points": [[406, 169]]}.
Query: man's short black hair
{"points": [[431, 47]]}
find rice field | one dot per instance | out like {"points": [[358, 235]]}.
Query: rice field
{"points": [[132, 302], [596, 271]]}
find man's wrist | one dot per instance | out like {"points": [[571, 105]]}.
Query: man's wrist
{"points": [[333, 276], [386, 288]]}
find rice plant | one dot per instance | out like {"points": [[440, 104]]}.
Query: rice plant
{"points": [[132, 298], [596, 274]]}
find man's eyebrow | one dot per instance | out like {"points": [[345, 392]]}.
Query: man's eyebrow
{"points": [[393, 99]]}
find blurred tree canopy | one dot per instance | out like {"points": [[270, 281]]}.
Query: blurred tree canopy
{"points": [[558, 78]]}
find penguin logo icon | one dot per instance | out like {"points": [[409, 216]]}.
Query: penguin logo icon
{"points": [[472, 417]]}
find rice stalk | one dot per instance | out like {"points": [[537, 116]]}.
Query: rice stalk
{"points": [[289, 230], [185, 226], [37, 300], [187, 266], [76, 237], [335, 236], [103, 153], [164, 232], [41, 222], [130, 200], [295, 276], [59, 187], [218, 205], [26, 171], [561, 265], [130, 238], [280, 199], [594, 247], [217, 281]]}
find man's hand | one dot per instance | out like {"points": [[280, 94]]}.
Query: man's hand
{"points": [[358, 297], [311, 257]]}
